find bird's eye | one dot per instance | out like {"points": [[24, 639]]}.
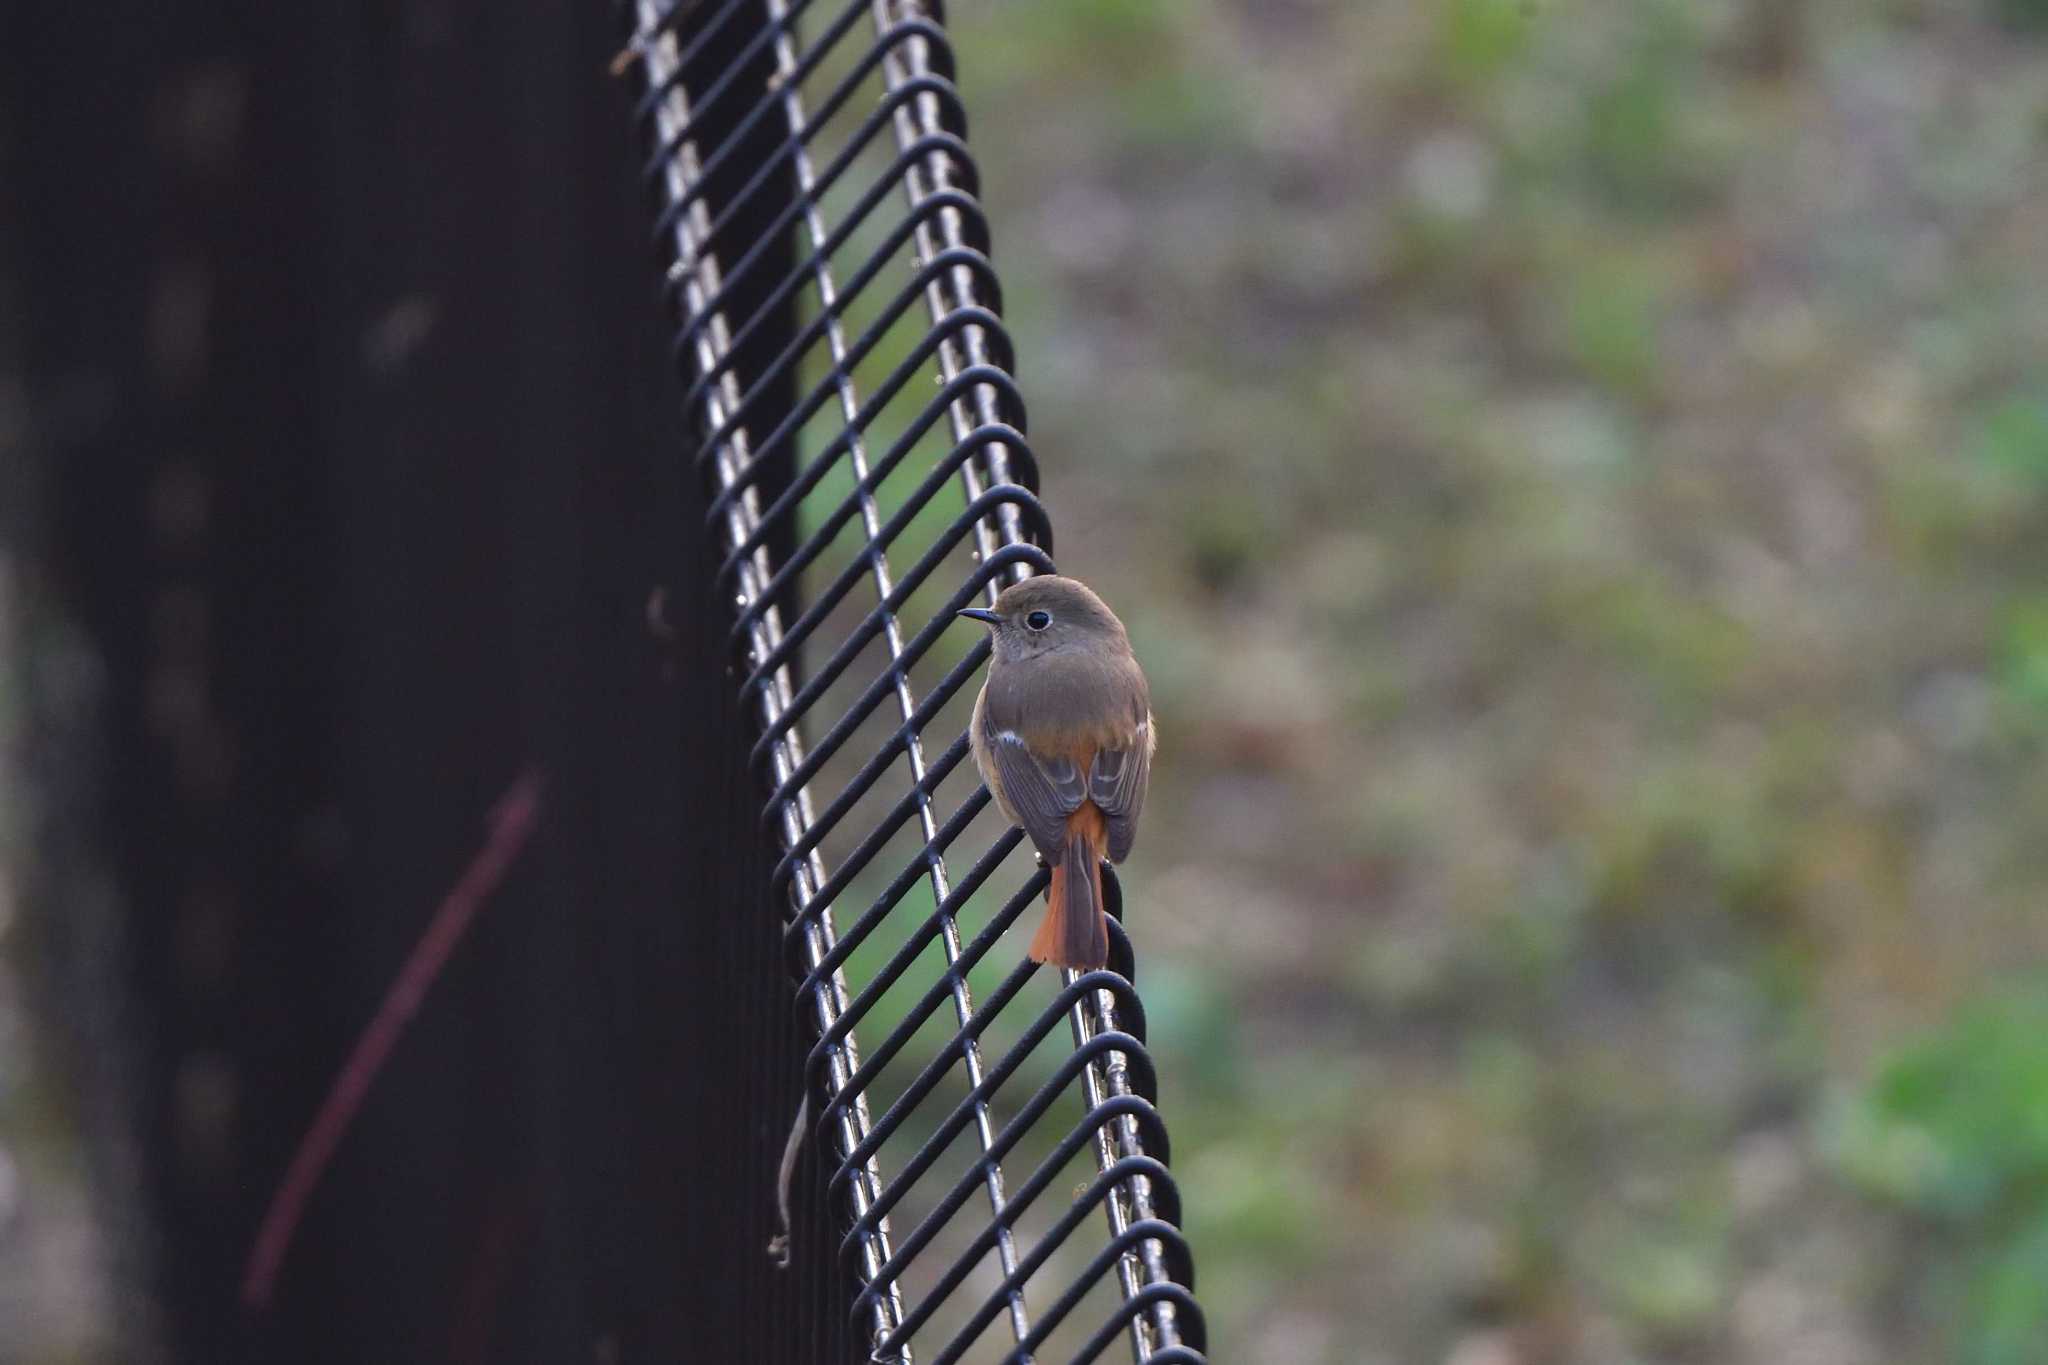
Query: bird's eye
{"points": [[1038, 620]]}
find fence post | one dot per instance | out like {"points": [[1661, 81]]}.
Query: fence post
{"points": [[347, 379]]}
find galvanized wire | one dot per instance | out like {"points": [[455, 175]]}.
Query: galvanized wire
{"points": [[943, 239]]}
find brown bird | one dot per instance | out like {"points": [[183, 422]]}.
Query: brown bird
{"points": [[1063, 736]]}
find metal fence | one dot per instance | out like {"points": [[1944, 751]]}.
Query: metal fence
{"points": [[353, 454], [991, 1133]]}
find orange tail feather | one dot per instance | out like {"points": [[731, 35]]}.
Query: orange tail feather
{"points": [[1075, 931]]}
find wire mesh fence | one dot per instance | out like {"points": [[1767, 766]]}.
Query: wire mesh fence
{"points": [[989, 1128]]}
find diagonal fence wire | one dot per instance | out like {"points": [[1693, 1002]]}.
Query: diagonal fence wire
{"points": [[795, 575]]}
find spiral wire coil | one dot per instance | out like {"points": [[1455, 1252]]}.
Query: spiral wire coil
{"points": [[831, 745]]}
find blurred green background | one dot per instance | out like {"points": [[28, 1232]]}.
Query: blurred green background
{"points": [[1577, 473]]}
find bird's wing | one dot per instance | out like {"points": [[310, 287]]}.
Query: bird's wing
{"points": [[1042, 791], [1116, 784]]}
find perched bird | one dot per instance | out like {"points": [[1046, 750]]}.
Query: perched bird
{"points": [[1063, 736]]}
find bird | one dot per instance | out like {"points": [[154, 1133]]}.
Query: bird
{"points": [[1063, 735]]}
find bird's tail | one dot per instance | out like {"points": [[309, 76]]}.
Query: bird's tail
{"points": [[1075, 931]]}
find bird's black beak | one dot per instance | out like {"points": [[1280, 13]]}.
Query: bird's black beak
{"points": [[981, 614]]}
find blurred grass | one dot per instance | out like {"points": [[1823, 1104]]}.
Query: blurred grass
{"points": [[1577, 473], [1956, 1127]]}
